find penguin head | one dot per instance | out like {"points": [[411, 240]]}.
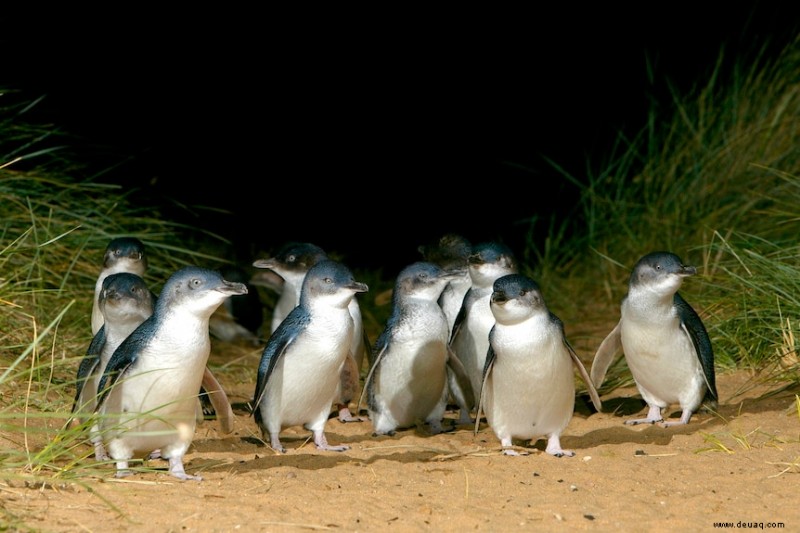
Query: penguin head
{"points": [[450, 252], [661, 272], [196, 290], [515, 298], [125, 295], [331, 282], [293, 260], [423, 280], [490, 260], [125, 254]]}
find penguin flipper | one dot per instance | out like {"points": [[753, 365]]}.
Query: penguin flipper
{"points": [[219, 400], [123, 357], [278, 343], [380, 348], [458, 382], [487, 369], [694, 328], [585, 377], [605, 355], [460, 317], [367, 348], [89, 364]]}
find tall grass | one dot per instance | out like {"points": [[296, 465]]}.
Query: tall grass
{"points": [[715, 178], [55, 223]]}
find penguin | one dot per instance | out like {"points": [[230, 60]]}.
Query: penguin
{"points": [[299, 373], [664, 341], [408, 381], [292, 263], [123, 254], [127, 254], [124, 302], [451, 252], [148, 391], [528, 388], [470, 338]]}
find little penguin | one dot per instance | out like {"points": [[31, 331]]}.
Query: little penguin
{"points": [[127, 254], [299, 372], [124, 302], [408, 381], [292, 263], [451, 252], [470, 338], [664, 341], [528, 389], [148, 391], [123, 254]]}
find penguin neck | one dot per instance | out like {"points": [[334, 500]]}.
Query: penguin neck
{"points": [[647, 302]]}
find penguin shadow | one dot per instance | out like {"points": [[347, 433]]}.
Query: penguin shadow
{"points": [[255, 454], [617, 410]]}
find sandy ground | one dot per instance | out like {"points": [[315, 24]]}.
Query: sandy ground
{"points": [[740, 466]]}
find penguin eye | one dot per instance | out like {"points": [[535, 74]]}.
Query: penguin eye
{"points": [[117, 252], [291, 259], [195, 282], [328, 280], [658, 267]]}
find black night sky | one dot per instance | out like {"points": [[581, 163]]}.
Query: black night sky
{"points": [[370, 133]]}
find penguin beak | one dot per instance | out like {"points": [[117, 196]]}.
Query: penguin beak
{"points": [[358, 286], [475, 259], [264, 263], [453, 274], [230, 287], [499, 297], [687, 271]]}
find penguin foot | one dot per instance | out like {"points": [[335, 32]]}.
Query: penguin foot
{"points": [[653, 417], [100, 453], [465, 419], [346, 416], [554, 447], [176, 470], [638, 421], [561, 453], [122, 470], [390, 433], [155, 454], [665, 424], [322, 443], [513, 453]]}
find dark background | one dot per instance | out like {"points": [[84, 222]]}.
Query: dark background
{"points": [[369, 132]]}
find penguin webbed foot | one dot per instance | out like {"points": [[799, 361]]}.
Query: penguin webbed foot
{"points": [[322, 443], [653, 417], [276, 445], [514, 453], [122, 470], [685, 417], [176, 470], [346, 416], [100, 453], [637, 421], [554, 448]]}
